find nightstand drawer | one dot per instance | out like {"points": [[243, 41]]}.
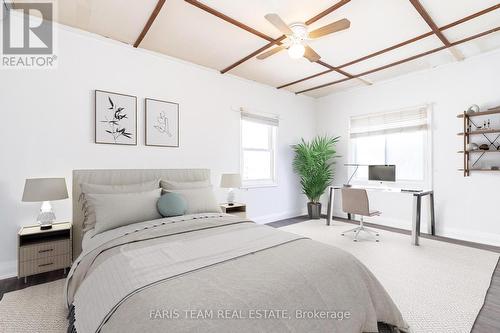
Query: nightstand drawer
{"points": [[44, 265], [43, 250]]}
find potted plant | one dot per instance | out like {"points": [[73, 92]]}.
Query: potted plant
{"points": [[313, 163]]}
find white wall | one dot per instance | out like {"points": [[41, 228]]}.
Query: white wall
{"points": [[47, 126], [466, 208]]}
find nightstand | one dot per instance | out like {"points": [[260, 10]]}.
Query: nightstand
{"points": [[238, 209], [41, 251]]}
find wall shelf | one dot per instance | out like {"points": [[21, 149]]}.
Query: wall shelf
{"points": [[485, 170], [476, 132], [478, 151], [482, 113], [471, 157]]}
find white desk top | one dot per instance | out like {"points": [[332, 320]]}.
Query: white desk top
{"points": [[385, 189]]}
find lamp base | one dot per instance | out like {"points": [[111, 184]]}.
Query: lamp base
{"points": [[230, 197], [46, 227]]}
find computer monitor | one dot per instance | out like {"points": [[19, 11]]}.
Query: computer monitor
{"points": [[382, 173]]}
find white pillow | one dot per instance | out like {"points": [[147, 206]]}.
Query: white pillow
{"points": [[116, 210], [89, 221], [173, 185], [199, 200]]}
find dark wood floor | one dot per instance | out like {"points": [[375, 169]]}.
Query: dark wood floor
{"points": [[12, 284], [488, 320]]}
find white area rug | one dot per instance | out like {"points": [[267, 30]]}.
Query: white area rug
{"points": [[35, 309], [439, 287]]}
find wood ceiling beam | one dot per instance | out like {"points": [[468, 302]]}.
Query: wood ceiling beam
{"points": [[253, 54], [282, 37], [430, 22], [230, 20], [150, 21], [327, 11], [464, 40], [396, 46]]}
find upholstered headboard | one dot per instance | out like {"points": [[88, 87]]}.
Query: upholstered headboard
{"points": [[123, 176]]}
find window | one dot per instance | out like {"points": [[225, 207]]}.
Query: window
{"points": [[258, 141], [400, 138]]}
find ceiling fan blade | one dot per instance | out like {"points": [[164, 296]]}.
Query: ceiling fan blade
{"points": [[311, 55], [276, 20], [330, 28], [270, 52]]}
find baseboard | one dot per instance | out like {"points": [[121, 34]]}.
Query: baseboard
{"points": [[459, 234], [276, 217], [8, 269]]}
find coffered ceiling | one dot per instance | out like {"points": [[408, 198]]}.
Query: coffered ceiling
{"points": [[386, 38]]}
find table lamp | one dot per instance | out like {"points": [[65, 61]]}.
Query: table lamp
{"points": [[45, 190], [230, 181]]}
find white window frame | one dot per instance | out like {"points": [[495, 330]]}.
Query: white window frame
{"points": [[272, 137], [425, 183]]}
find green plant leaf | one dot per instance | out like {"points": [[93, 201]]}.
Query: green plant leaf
{"points": [[313, 163]]}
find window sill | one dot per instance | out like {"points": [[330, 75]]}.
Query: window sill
{"points": [[257, 185]]}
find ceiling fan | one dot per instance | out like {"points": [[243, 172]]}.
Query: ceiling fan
{"points": [[297, 36]]}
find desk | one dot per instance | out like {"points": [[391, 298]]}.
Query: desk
{"points": [[417, 207]]}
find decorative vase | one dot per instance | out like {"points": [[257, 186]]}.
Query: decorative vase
{"points": [[314, 210], [473, 109]]}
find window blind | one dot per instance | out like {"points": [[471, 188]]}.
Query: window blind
{"points": [[408, 119], [272, 121]]}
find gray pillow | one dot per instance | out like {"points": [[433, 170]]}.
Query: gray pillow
{"points": [[89, 220], [199, 200], [173, 185], [116, 210]]}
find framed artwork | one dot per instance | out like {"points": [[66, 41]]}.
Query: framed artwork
{"points": [[115, 118], [162, 123]]}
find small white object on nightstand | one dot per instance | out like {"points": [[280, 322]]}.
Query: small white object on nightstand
{"points": [[45, 190], [230, 181]]}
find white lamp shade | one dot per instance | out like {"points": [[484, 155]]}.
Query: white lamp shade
{"points": [[230, 180], [45, 189]]}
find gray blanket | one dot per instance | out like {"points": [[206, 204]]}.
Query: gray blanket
{"points": [[221, 273]]}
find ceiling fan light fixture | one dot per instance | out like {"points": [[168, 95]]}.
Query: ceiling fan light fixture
{"points": [[296, 50]]}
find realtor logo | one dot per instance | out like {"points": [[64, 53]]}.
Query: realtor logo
{"points": [[27, 35]]}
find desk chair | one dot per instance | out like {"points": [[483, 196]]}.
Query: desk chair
{"points": [[355, 201]]}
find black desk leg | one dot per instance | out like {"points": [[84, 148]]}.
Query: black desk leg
{"points": [[329, 211], [431, 206], [417, 207]]}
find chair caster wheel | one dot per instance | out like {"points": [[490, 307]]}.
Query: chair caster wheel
{"points": [[377, 235], [342, 234], [354, 240], [377, 240]]}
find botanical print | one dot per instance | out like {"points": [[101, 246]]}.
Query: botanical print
{"points": [[116, 119], [162, 123]]}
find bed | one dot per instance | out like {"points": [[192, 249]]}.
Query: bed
{"points": [[213, 272]]}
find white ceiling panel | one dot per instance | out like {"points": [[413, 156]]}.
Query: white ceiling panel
{"points": [[375, 25], [480, 45], [479, 24], [277, 69], [444, 12], [427, 62], [116, 19], [334, 88], [252, 12], [319, 80], [423, 45], [189, 33]]}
